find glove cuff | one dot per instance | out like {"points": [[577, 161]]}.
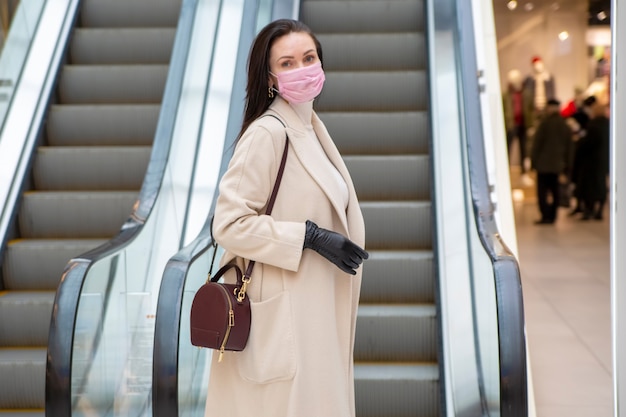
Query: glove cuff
{"points": [[309, 236]]}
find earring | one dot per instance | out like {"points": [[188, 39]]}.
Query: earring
{"points": [[270, 92]]}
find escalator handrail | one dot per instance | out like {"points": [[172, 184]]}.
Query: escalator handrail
{"points": [[509, 302], [62, 325]]}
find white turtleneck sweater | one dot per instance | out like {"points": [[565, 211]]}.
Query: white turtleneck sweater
{"points": [[305, 112]]}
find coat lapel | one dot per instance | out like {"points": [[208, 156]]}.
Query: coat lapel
{"points": [[354, 230], [301, 146]]}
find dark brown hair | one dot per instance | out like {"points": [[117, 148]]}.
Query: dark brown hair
{"points": [[257, 98]]}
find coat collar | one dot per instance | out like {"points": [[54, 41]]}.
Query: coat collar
{"points": [[296, 130]]}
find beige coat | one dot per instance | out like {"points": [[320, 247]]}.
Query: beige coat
{"points": [[299, 358]]}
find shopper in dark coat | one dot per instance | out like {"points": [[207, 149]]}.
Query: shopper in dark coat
{"points": [[594, 163], [582, 116], [550, 157]]}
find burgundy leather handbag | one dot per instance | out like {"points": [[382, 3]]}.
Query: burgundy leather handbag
{"points": [[220, 313]]}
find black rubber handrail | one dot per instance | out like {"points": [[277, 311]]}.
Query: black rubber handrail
{"points": [[508, 288], [62, 325], [165, 386]]}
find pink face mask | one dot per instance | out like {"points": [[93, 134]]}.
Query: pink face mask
{"points": [[301, 84]]}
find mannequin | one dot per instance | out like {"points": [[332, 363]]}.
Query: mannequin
{"points": [[541, 85], [541, 88], [518, 114]]}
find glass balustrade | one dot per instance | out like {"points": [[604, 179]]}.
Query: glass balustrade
{"points": [[19, 24]]}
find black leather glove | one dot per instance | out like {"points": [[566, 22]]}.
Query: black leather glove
{"points": [[335, 247]]}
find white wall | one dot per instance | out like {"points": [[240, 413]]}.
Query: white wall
{"points": [[618, 221]]}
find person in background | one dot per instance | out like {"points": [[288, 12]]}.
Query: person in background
{"points": [[594, 163], [518, 110], [574, 104], [304, 291], [581, 117], [550, 157]]}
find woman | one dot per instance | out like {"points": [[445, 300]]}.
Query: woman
{"points": [[305, 286]]}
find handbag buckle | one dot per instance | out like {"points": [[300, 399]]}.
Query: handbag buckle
{"points": [[244, 286]]}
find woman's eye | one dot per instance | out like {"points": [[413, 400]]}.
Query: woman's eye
{"points": [[285, 64], [309, 58]]}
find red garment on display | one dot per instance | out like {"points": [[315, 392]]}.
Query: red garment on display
{"points": [[569, 109]]}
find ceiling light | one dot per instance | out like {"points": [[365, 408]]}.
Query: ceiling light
{"points": [[555, 6], [564, 35], [529, 6], [512, 5], [602, 15]]}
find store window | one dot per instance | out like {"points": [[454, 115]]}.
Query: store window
{"points": [[549, 49]]}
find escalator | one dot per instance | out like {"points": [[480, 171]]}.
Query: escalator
{"points": [[86, 172], [375, 104]]}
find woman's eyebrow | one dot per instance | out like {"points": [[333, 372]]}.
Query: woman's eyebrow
{"points": [[292, 57]]}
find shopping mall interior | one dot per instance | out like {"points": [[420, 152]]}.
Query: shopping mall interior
{"points": [[565, 266], [112, 110]]}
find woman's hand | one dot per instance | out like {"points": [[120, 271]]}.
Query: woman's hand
{"points": [[338, 249]]}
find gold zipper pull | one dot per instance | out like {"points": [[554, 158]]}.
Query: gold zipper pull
{"points": [[221, 354], [231, 318]]}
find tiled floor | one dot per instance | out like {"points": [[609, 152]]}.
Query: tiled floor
{"points": [[566, 282]]}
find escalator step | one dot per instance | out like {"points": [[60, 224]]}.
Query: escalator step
{"points": [[373, 51], [22, 381], [130, 13], [397, 390], [397, 224], [69, 214], [374, 91], [398, 332], [386, 177], [371, 16], [37, 264], [25, 317], [122, 46], [401, 276], [112, 84], [90, 168], [104, 125], [382, 133]]}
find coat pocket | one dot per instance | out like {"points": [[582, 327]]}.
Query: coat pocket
{"points": [[270, 353]]}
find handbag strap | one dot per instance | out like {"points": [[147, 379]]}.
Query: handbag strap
{"points": [[279, 175], [270, 205]]}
